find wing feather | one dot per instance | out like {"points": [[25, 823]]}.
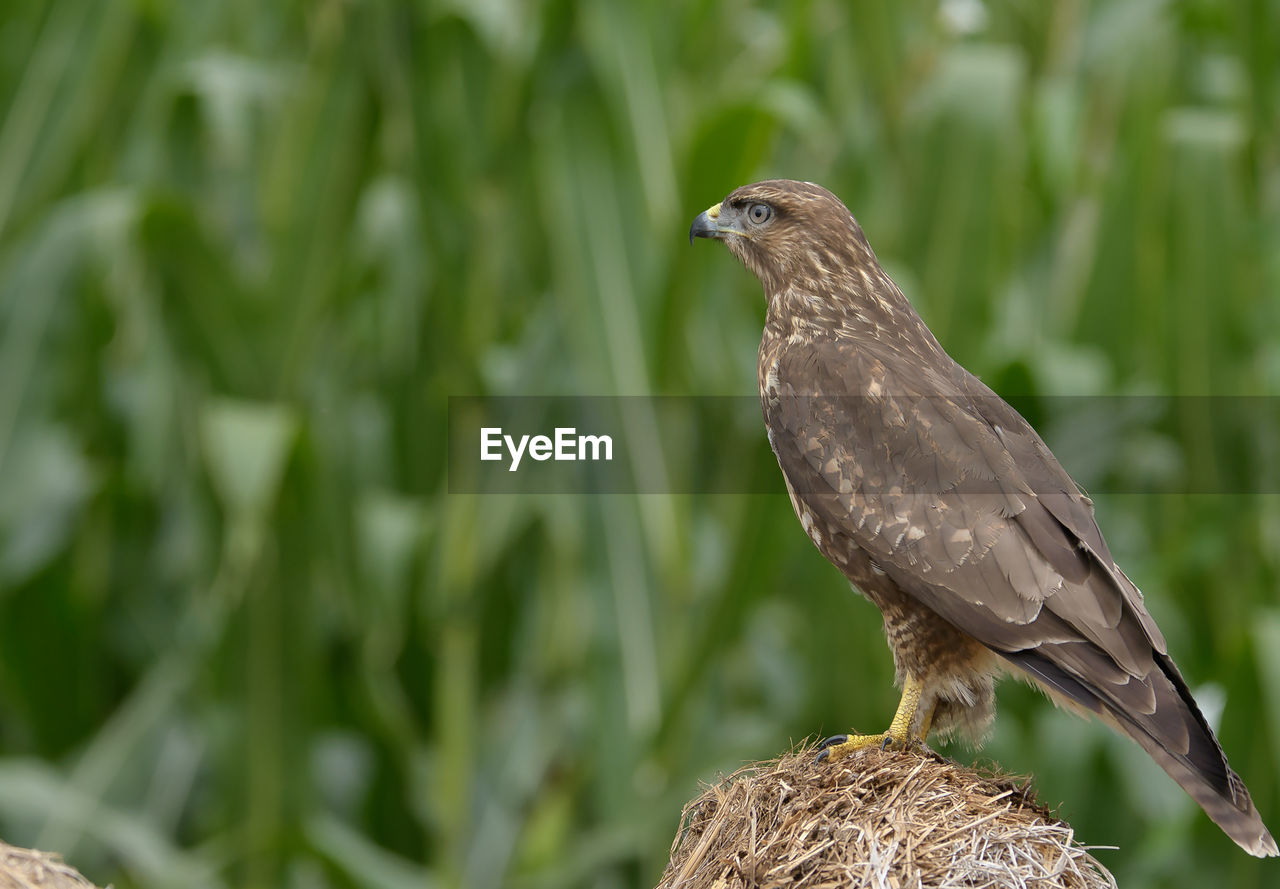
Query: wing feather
{"points": [[953, 500]]}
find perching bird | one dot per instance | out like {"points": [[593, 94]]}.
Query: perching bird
{"points": [[944, 508]]}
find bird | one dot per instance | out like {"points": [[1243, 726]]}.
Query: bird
{"points": [[946, 509]]}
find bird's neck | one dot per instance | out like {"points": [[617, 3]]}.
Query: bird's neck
{"points": [[877, 316], [796, 310]]}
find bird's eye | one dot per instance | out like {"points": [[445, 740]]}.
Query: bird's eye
{"points": [[759, 214]]}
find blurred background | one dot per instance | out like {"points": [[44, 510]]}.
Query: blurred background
{"points": [[249, 250]]}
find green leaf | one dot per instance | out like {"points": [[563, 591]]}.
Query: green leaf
{"points": [[44, 483], [246, 446]]}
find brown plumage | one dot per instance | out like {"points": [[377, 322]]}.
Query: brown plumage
{"points": [[946, 509]]}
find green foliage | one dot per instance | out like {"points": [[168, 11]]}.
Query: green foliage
{"points": [[248, 250]]}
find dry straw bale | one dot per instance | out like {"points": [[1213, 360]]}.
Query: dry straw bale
{"points": [[29, 869], [874, 819]]}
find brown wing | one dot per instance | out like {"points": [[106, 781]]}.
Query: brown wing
{"points": [[962, 505]]}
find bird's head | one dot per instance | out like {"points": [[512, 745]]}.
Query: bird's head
{"points": [[789, 233]]}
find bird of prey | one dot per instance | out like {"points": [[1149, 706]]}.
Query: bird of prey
{"points": [[942, 505]]}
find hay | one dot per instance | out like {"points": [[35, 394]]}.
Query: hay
{"points": [[875, 819], [29, 869]]}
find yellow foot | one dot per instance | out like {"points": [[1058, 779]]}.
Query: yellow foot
{"points": [[839, 746], [909, 725]]}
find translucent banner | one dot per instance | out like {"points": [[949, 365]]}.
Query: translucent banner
{"points": [[718, 444]]}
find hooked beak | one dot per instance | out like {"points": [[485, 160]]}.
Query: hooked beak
{"points": [[711, 224]]}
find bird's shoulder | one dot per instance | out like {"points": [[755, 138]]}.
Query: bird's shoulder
{"points": [[875, 410], [925, 417]]}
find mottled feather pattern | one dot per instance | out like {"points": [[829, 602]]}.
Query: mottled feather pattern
{"points": [[946, 509]]}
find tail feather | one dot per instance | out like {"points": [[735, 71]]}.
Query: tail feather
{"points": [[1230, 807], [1175, 734]]}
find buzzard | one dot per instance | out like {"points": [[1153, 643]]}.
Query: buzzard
{"points": [[942, 505]]}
